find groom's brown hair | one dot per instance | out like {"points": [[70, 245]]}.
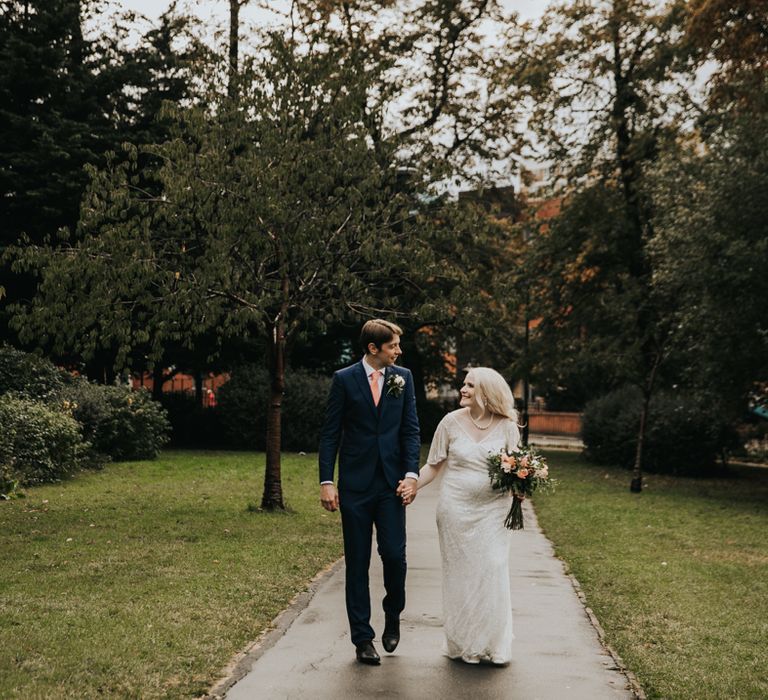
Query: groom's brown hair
{"points": [[378, 331]]}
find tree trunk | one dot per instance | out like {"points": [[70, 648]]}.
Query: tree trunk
{"points": [[527, 375], [199, 388], [234, 40], [636, 485], [273, 487]]}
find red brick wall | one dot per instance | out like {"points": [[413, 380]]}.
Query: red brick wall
{"points": [[554, 423]]}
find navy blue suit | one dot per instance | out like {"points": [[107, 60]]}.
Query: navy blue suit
{"points": [[376, 446]]}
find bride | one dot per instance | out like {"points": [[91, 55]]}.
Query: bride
{"points": [[474, 544]]}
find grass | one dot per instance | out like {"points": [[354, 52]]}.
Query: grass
{"points": [[677, 576], [142, 581]]}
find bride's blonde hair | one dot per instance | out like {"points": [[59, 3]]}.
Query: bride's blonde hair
{"points": [[493, 392]]}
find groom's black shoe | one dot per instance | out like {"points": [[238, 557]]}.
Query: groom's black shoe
{"points": [[391, 637], [366, 653]]}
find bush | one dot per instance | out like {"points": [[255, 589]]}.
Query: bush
{"points": [[118, 422], [9, 481], [25, 374], [684, 436], [192, 425], [37, 443], [609, 427], [431, 412], [52, 423], [243, 402]]}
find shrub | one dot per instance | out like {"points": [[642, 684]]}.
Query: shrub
{"points": [[192, 425], [242, 403], [9, 481], [118, 422], [431, 412], [29, 375], [684, 435], [609, 426], [37, 443], [71, 422]]}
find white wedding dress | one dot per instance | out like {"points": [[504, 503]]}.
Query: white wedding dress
{"points": [[477, 603]]}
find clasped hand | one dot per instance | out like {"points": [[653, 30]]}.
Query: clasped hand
{"points": [[406, 489]]}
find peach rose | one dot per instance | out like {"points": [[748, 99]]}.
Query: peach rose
{"points": [[522, 473]]}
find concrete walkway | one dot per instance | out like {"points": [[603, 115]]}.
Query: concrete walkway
{"points": [[557, 651], [556, 442]]}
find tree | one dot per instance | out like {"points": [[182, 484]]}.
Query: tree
{"points": [[709, 247], [710, 252], [602, 113], [293, 207], [52, 115], [273, 212], [444, 98], [66, 100], [733, 34]]}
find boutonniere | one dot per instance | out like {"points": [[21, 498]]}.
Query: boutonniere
{"points": [[395, 385]]}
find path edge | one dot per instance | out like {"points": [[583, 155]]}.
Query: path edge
{"points": [[243, 661], [634, 684]]}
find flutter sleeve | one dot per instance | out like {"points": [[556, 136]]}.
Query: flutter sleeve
{"points": [[513, 436], [438, 450]]}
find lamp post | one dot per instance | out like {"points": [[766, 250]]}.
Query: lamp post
{"points": [[526, 360], [526, 387]]}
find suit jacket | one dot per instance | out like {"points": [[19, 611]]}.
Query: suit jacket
{"points": [[364, 435]]}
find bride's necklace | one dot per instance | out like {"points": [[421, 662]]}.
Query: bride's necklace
{"points": [[477, 425]]}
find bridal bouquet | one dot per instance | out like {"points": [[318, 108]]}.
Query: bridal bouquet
{"points": [[519, 473]]}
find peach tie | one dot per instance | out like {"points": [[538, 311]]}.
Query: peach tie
{"points": [[375, 386]]}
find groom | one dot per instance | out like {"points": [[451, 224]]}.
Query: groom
{"points": [[371, 422]]}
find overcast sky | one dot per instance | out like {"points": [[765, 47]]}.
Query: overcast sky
{"points": [[218, 10]]}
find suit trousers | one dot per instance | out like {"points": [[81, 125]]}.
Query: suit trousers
{"points": [[379, 505]]}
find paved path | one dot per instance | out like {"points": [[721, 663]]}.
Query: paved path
{"points": [[557, 652], [556, 442]]}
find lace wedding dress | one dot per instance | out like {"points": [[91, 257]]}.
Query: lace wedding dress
{"points": [[477, 605]]}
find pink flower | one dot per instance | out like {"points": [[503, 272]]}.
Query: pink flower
{"points": [[543, 473], [522, 473], [524, 461], [505, 467]]}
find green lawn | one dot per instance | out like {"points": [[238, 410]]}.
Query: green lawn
{"points": [[678, 576], [145, 579]]}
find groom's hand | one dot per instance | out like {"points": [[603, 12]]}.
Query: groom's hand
{"points": [[329, 497], [406, 489]]}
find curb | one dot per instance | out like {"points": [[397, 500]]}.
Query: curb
{"points": [[243, 661], [634, 684]]}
